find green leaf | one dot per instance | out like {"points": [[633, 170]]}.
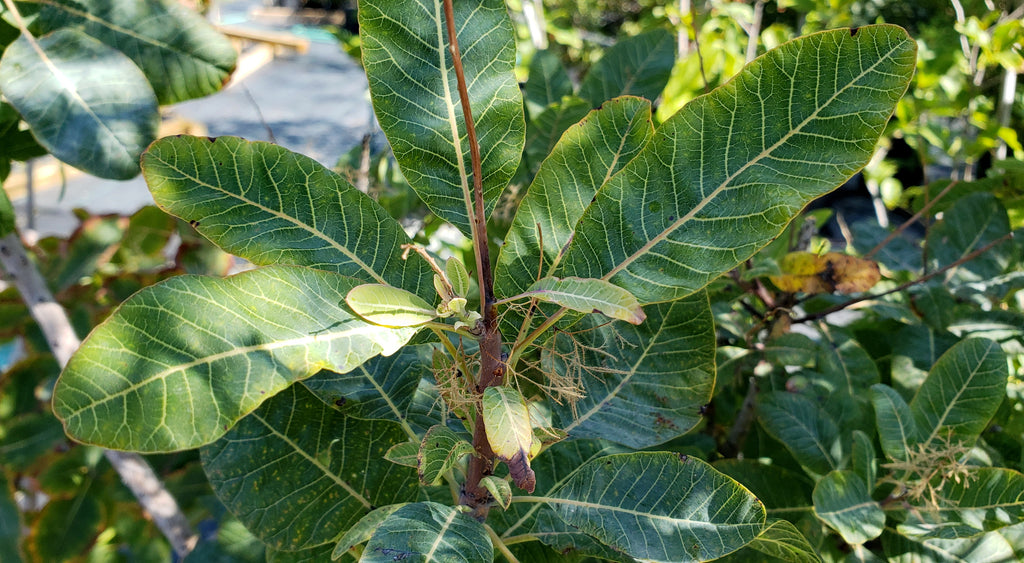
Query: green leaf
{"points": [[863, 459], [660, 507], [987, 499], [429, 532], [791, 502], [510, 432], [180, 362], [961, 394], [66, 527], [499, 489], [415, 96], [457, 276], [973, 222], [87, 103], [269, 205], [317, 554], [644, 385], [991, 548], [406, 453], [636, 66], [7, 219], [538, 521], [783, 540], [182, 55], [389, 306], [587, 155], [724, 176], [807, 431], [548, 82], [395, 387], [896, 427], [363, 529], [441, 449], [842, 501], [10, 524], [588, 296], [27, 438], [296, 486], [545, 130]]}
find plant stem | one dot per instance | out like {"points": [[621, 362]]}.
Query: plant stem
{"points": [[61, 338], [917, 216], [492, 368], [500, 545]]}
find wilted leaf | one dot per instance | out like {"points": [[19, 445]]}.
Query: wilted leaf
{"points": [[510, 432], [833, 272]]}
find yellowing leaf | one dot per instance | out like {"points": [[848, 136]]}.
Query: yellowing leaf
{"points": [[832, 272], [589, 295], [385, 305], [507, 421]]}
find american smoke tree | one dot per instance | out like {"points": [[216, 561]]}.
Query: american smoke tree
{"points": [[356, 398]]}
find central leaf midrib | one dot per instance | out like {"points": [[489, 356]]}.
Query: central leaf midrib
{"points": [[326, 471], [312, 230], [429, 556], [618, 388], [726, 183]]}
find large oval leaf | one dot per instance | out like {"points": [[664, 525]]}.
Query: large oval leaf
{"points": [[808, 431], [660, 507], [429, 532], [396, 387], [637, 66], [271, 206], [897, 430], [842, 500], [726, 174], [296, 485], [585, 157], [87, 103], [181, 54], [643, 385], [962, 392], [180, 362], [413, 88], [533, 521], [987, 499]]}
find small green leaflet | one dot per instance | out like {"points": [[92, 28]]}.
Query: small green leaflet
{"points": [[363, 529], [457, 276], [499, 489], [589, 296], [440, 451], [510, 433], [841, 500], [389, 306]]}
